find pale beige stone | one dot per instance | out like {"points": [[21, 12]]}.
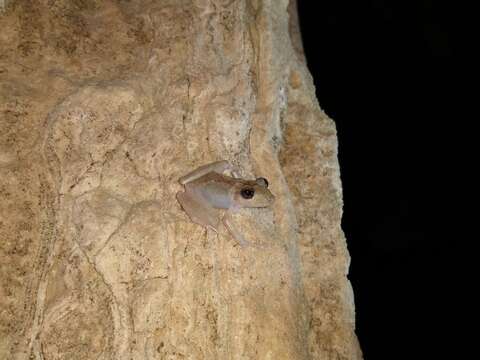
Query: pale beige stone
{"points": [[103, 106]]}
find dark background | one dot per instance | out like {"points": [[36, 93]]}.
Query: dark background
{"points": [[381, 71]]}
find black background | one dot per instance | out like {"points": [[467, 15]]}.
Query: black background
{"points": [[381, 71]]}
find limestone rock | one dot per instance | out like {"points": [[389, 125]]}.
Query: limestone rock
{"points": [[103, 106]]}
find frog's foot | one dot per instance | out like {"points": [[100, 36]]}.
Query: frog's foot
{"points": [[217, 166], [236, 235]]}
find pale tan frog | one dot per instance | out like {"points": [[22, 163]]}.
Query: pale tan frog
{"points": [[210, 197]]}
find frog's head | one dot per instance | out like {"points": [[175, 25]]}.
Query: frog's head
{"points": [[253, 194]]}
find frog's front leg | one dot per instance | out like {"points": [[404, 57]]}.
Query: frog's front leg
{"points": [[217, 166], [233, 231]]}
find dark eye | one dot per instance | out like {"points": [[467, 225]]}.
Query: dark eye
{"points": [[262, 182], [247, 193]]}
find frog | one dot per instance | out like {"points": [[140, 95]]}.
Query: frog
{"points": [[210, 197]]}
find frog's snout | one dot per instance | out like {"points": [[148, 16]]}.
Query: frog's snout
{"points": [[264, 198]]}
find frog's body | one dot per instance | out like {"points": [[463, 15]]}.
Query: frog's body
{"points": [[208, 191]]}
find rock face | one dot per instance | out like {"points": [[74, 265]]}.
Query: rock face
{"points": [[103, 106]]}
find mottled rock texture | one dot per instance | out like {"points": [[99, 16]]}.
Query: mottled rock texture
{"points": [[103, 106]]}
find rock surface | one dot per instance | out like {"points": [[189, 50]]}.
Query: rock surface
{"points": [[103, 106]]}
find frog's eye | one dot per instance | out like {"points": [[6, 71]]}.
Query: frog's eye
{"points": [[262, 182], [247, 193]]}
